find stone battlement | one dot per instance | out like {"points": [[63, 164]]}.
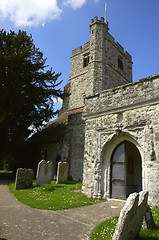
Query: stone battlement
{"points": [[95, 20], [119, 47], [80, 49]]}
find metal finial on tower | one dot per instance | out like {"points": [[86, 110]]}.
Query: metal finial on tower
{"points": [[105, 11]]}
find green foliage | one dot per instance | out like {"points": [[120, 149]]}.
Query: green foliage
{"points": [[27, 87], [106, 229], [53, 196]]}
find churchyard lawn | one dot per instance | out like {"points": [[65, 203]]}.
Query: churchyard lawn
{"points": [[6, 174], [106, 229], [53, 196]]}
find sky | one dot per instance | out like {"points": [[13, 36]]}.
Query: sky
{"points": [[59, 26]]}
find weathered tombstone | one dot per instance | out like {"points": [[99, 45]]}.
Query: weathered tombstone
{"points": [[131, 217], [24, 178], [44, 173], [149, 221], [62, 172]]}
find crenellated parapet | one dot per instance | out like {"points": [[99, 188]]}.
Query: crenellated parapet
{"points": [[80, 49], [96, 20], [101, 63]]}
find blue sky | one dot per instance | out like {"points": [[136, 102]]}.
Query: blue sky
{"points": [[59, 26]]}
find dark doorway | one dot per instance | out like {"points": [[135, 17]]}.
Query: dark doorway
{"points": [[126, 170]]}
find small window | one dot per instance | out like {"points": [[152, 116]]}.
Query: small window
{"points": [[120, 63], [86, 61]]}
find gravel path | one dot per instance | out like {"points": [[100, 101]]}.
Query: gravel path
{"points": [[20, 222]]}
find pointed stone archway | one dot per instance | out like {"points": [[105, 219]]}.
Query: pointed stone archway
{"points": [[122, 167], [126, 170]]}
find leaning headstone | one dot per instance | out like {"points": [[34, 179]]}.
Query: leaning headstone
{"points": [[131, 217], [44, 173], [149, 221], [62, 172], [24, 178]]}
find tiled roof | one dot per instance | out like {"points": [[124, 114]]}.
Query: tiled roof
{"points": [[54, 130]]}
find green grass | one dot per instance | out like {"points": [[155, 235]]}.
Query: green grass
{"points": [[152, 234], [5, 174], [53, 196], [106, 229]]}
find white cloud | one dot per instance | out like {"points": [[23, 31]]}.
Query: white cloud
{"points": [[29, 12], [35, 12], [75, 3]]}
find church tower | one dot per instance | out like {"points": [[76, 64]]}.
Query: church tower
{"points": [[110, 64], [100, 64]]}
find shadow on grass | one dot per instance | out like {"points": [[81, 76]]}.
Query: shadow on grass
{"points": [[59, 187], [148, 238], [70, 182], [156, 228], [48, 189]]}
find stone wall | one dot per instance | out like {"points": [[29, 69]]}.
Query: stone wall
{"points": [[104, 55], [52, 153], [80, 84], [141, 92], [102, 70], [130, 113], [115, 75], [76, 155], [70, 149], [115, 110]]}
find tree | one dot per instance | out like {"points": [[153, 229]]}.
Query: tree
{"points": [[27, 89]]}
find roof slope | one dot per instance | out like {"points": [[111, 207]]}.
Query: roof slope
{"points": [[54, 130]]}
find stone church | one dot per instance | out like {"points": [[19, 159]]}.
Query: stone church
{"points": [[108, 127]]}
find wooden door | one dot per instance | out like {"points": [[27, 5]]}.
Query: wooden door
{"points": [[118, 172]]}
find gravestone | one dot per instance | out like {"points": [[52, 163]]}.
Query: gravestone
{"points": [[24, 178], [44, 173], [131, 217], [62, 172], [149, 221]]}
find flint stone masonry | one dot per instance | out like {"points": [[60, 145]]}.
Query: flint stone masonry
{"points": [[71, 148], [128, 113], [24, 178], [103, 110], [44, 173], [62, 172], [131, 217], [102, 71], [143, 92]]}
